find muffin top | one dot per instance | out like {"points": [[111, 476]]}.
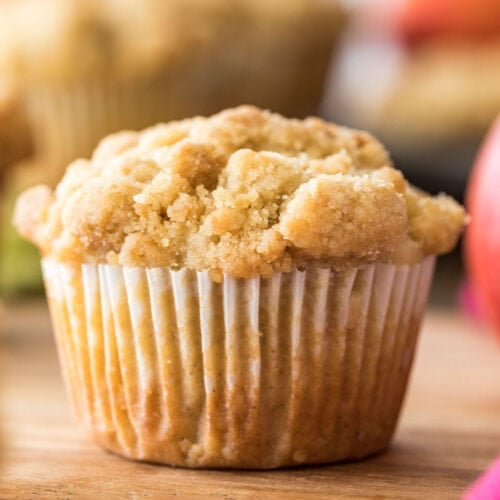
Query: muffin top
{"points": [[129, 38], [246, 192]]}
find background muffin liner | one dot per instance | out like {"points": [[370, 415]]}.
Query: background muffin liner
{"points": [[304, 367]]}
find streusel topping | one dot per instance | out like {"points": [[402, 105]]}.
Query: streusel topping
{"points": [[245, 192]]}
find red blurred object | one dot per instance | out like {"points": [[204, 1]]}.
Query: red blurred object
{"points": [[418, 20], [469, 302], [487, 487], [482, 242]]}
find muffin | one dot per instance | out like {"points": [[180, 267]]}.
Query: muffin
{"points": [[243, 290], [92, 68]]}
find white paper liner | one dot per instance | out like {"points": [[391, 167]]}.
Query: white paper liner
{"points": [[305, 367]]}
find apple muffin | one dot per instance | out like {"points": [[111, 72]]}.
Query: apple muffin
{"points": [[243, 290]]}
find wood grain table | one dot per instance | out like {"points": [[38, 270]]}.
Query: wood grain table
{"points": [[448, 433]]}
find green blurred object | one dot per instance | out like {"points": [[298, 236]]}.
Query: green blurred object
{"points": [[20, 272]]}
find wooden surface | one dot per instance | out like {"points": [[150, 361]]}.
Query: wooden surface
{"points": [[449, 431]]}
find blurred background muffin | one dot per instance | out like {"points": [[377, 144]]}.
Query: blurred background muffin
{"points": [[15, 136], [89, 68], [433, 68]]}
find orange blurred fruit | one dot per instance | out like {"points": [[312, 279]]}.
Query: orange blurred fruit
{"points": [[422, 19], [482, 239]]}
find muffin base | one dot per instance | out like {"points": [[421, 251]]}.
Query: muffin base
{"points": [[304, 367]]}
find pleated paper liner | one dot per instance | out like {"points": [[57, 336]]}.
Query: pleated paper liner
{"points": [[304, 367]]}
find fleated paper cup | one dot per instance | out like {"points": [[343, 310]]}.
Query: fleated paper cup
{"points": [[303, 367]]}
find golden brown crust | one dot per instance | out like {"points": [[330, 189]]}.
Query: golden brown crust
{"points": [[245, 192]]}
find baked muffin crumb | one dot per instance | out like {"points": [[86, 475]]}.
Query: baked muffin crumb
{"points": [[245, 192]]}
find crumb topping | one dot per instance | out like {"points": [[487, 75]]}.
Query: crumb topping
{"points": [[245, 192]]}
